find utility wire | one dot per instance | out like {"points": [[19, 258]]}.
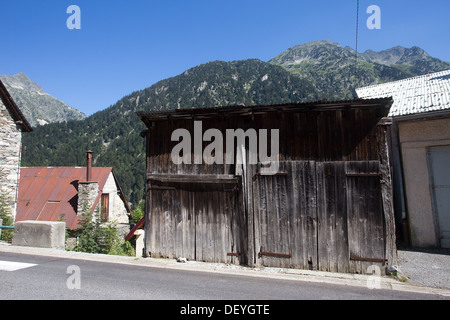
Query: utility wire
{"points": [[355, 68], [357, 28]]}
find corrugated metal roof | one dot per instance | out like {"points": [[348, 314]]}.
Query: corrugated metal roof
{"points": [[420, 94], [45, 193]]}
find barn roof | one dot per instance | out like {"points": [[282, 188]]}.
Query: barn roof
{"points": [[417, 95], [322, 105], [18, 116], [47, 192]]}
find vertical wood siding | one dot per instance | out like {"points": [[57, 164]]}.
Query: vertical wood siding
{"points": [[329, 208]]}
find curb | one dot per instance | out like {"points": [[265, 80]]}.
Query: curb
{"points": [[358, 280]]}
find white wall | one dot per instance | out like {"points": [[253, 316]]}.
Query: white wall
{"points": [[117, 209], [415, 137]]}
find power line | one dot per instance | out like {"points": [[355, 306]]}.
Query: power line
{"points": [[357, 26], [355, 68]]}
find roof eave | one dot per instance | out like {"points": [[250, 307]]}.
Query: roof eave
{"points": [[430, 115], [321, 105], [19, 118]]}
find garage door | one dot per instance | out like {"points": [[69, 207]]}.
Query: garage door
{"points": [[195, 221], [324, 216], [439, 167]]}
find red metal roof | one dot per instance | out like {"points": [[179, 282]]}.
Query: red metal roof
{"points": [[47, 193], [139, 225]]}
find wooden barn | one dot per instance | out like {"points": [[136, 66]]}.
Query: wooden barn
{"points": [[210, 195]]}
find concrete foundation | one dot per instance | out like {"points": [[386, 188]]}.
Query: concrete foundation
{"points": [[42, 234]]}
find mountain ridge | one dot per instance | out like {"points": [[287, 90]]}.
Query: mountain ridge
{"points": [[337, 71], [313, 71], [38, 107]]}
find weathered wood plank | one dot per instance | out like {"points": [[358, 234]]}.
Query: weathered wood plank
{"points": [[365, 215], [311, 214], [386, 191], [156, 225], [177, 208], [200, 229], [254, 217], [211, 228], [342, 252], [185, 223], [292, 190], [149, 239], [332, 242], [285, 217]]}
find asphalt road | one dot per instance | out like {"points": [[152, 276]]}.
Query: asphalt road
{"points": [[53, 278]]}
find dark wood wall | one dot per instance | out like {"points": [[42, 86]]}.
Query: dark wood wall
{"points": [[328, 208], [320, 216], [337, 135]]}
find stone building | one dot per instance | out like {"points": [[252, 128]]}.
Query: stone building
{"points": [[12, 124], [64, 193]]}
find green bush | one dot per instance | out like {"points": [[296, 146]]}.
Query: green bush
{"points": [[6, 216], [138, 212], [97, 237]]}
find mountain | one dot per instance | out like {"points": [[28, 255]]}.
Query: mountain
{"points": [[38, 106], [313, 71], [414, 61], [218, 83], [335, 72], [114, 133]]}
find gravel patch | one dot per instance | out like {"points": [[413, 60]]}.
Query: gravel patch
{"points": [[430, 268]]}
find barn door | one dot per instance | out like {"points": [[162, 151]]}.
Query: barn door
{"points": [[194, 221], [351, 231], [285, 218], [365, 218], [319, 215], [332, 239], [217, 226]]}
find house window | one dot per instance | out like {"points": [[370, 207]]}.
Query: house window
{"points": [[105, 207]]}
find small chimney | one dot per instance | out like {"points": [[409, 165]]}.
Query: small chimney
{"points": [[89, 166], [87, 190]]}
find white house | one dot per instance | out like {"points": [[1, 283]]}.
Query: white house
{"points": [[420, 141]]}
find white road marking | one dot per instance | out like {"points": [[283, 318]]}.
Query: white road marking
{"points": [[14, 266]]}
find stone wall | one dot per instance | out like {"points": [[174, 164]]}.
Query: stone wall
{"points": [[87, 193], [10, 153]]}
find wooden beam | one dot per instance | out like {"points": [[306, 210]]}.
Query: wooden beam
{"points": [[194, 178], [386, 191]]}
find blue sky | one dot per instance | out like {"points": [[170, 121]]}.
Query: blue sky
{"points": [[124, 46]]}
